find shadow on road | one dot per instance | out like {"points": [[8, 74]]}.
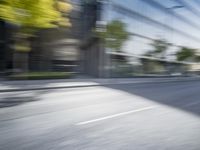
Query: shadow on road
{"points": [[14, 101], [181, 95], [18, 98]]}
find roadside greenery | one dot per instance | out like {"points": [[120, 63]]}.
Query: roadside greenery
{"points": [[40, 75], [29, 16], [185, 54], [115, 35], [160, 47]]}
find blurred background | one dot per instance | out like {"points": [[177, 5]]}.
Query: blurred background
{"points": [[128, 70], [98, 38]]}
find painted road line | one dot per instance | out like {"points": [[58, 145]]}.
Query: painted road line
{"points": [[115, 115]]}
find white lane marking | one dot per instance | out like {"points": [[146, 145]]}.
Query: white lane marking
{"points": [[115, 115]]}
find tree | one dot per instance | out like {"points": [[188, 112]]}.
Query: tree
{"points": [[35, 14], [114, 35], [160, 46], [185, 54], [31, 16]]}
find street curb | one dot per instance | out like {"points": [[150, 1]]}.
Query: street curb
{"points": [[97, 84], [45, 88]]}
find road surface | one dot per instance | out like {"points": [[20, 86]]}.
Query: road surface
{"points": [[148, 116]]}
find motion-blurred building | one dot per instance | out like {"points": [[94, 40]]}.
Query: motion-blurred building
{"points": [[92, 52], [58, 49], [78, 49], [52, 49]]}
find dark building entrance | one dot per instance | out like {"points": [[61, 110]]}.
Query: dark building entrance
{"points": [[5, 47]]}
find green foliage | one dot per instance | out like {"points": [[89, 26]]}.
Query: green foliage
{"points": [[160, 46], [41, 75], [185, 54], [115, 34], [31, 13]]}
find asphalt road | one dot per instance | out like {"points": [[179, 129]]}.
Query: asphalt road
{"points": [[151, 116]]}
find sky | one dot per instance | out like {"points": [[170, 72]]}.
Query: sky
{"points": [[139, 46]]}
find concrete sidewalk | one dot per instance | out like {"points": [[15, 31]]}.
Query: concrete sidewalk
{"points": [[26, 85]]}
